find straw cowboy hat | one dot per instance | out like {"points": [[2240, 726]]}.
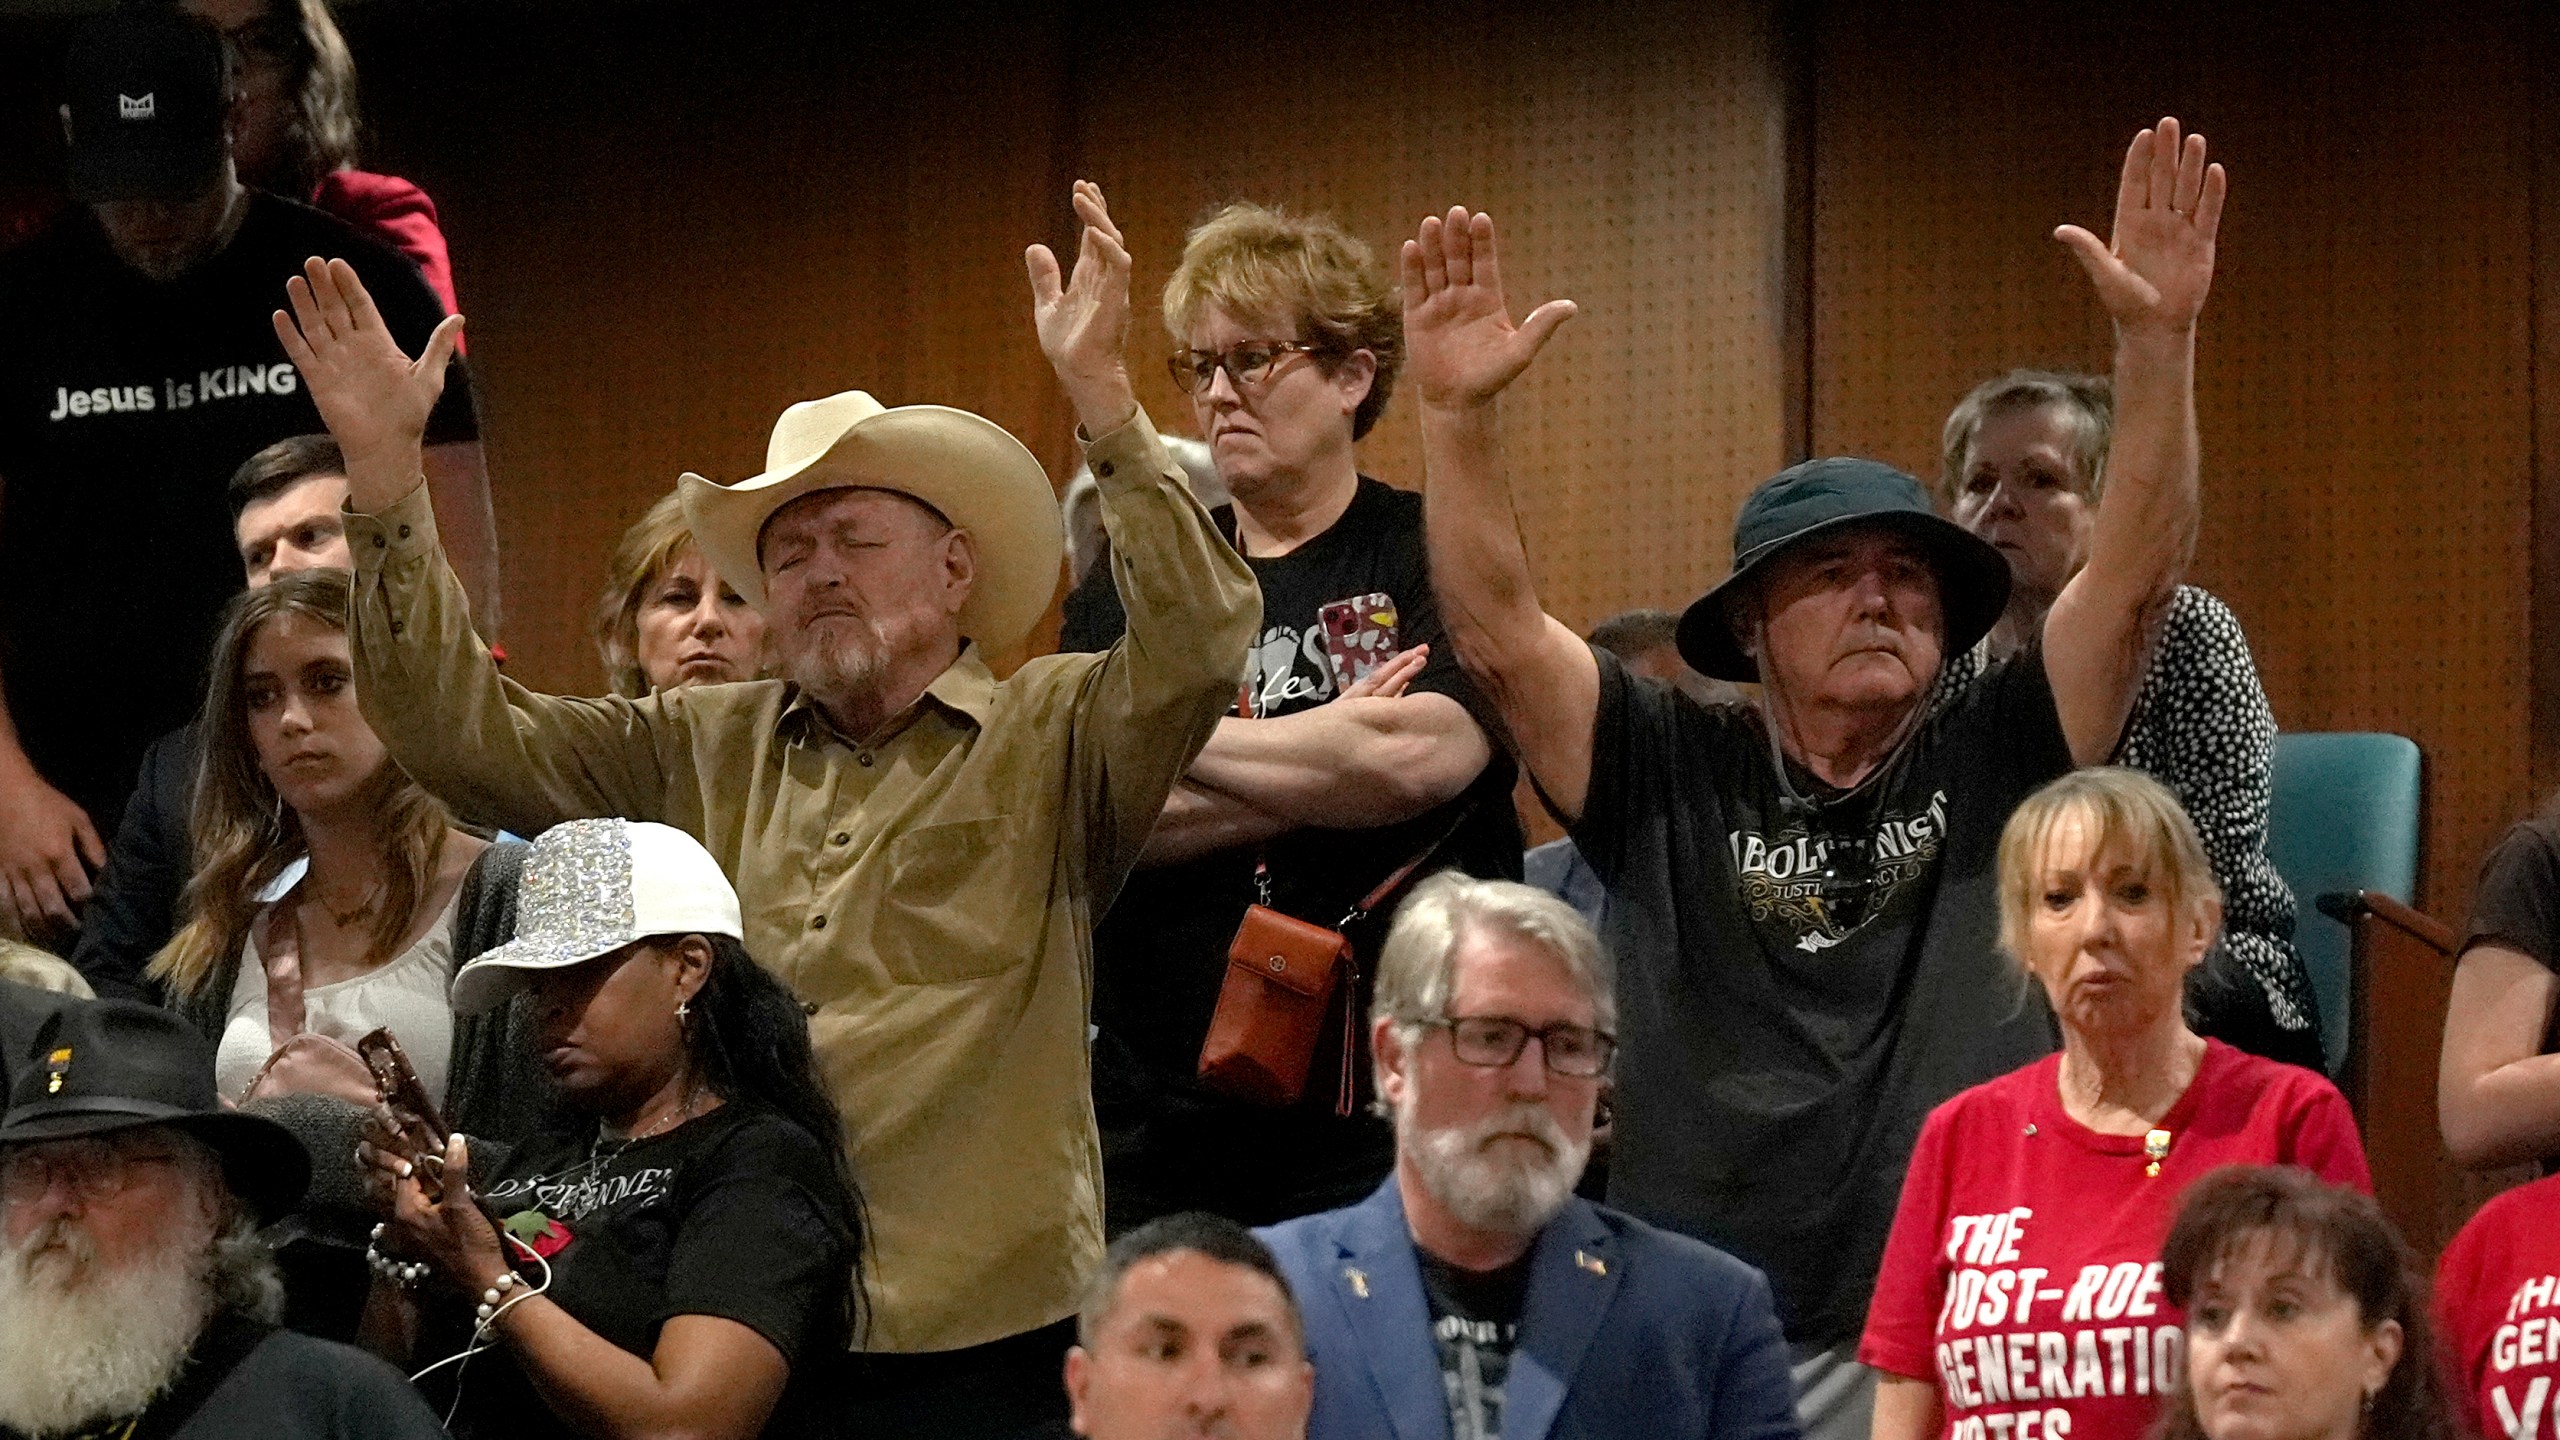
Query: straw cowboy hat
{"points": [[966, 466]]}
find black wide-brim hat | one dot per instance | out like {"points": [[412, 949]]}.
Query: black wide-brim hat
{"points": [[1823, 497], [99, 1066]]}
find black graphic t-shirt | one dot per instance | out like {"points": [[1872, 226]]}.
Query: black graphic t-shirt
{"points": [[1475, 1321], [125, 405], [1803, 978], [728, 1215], [1161, 952]]}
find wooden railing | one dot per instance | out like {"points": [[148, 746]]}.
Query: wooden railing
{"points": [[2402, 973]]}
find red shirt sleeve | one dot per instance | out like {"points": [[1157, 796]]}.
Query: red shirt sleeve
{"points": [[2321, 1134], [400, 215], [2458, 1338], [1902, 1319]]}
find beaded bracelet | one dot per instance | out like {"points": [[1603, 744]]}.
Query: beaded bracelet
{"points": [[492, 1300], [407, 1274]]}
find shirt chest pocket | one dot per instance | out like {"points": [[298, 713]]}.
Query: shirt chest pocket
{"points": [[962, 900]]}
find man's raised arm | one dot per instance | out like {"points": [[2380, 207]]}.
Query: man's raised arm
{"points": [[2152, 278], [492, 749], [1191, 602], [1461, 350]]}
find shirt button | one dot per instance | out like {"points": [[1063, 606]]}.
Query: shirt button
{"points": [[817, 922], [843, 837], [808, 1007], [380, 543], [395, 627], [1104, 469], [862, 758], [404, 532]]}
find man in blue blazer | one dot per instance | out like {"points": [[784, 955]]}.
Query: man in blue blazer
{"points": [[1474, 1297]]}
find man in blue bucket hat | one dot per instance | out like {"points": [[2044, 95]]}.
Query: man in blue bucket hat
{"points": [[1802, 890]]}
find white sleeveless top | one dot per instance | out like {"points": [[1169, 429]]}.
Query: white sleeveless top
{"points": [[410, 994]]}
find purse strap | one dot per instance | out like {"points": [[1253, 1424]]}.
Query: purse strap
{"points": [[279, 942]]}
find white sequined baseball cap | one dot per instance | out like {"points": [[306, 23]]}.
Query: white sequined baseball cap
{"points": [[591, 887]]}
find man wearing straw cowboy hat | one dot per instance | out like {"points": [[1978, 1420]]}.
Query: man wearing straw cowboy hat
{"points": [[920, 848]]}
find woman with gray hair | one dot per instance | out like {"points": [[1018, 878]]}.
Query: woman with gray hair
{"points": [[2023, 461], [2027, 1243]]}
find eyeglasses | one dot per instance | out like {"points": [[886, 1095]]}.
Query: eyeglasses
{"points": [[92, 1170], [1248, 365], [272, 40], [1495, 1041]]}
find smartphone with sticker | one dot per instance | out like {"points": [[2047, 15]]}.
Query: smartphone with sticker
{"points": [[421, 1131], [1360, 634]]}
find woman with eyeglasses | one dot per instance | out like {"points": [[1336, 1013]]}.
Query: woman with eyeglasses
{"points": [[1357, 747], [2021, 1293], [299, 127]]}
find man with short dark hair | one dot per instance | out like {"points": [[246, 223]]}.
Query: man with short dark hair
{"points": [[140, 368], [1189, 1328], [1474, 1296], [136, 1297], [287, 514]]}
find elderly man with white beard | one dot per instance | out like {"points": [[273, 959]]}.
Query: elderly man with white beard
{"points": [[1474, 1295], [136, 1298]]}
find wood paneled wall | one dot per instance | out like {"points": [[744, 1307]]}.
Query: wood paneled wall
{"points": [[2364, 372]]}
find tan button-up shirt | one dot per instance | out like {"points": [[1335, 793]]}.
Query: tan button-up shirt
{"points": [[929, 892]]}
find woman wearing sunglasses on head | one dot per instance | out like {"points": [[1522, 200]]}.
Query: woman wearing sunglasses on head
{"points": [[673, 1259], [2021, 1291]]}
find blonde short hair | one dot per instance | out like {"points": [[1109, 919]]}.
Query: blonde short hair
{"points": [[1303, 273], [646, 552], [24, 964], [2087, 403], [2126, 807]]}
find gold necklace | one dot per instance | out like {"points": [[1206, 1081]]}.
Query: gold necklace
{"points": [[366, 902]]}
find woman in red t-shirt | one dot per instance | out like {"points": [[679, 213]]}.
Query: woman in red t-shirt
{"points": [[2498, 1309], [2020, 1297]]}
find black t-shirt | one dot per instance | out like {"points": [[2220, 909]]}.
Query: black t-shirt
{"points": [[1783, 1034], [728, 1215], [1161, 952], [1475, 1321], [125, 405], [249, 1381]]}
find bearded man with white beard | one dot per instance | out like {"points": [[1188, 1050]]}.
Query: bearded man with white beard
{"points": [[137, 1300], [1474, 1295]]}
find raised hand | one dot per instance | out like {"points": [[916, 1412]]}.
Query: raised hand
{"points": [[2154, 274], [372, 396], [1460, 345], [1084, 321]]}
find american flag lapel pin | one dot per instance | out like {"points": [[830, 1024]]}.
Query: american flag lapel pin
{"points": [[1590, 1262], [1359, 1280]]}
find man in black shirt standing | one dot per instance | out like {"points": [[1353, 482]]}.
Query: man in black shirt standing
{"points": [[1802, 892], [141, 370], [1357, 746]]}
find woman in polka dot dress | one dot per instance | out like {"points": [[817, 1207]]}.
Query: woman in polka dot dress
{"points": [[2023, 459]]}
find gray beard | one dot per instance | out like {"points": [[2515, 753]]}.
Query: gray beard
{"points": [[842, 671], [79, 1344], [1512, 1191]]}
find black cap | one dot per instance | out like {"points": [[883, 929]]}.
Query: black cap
{"points": [[145, 86], [1837, 493], [100, 1066]]}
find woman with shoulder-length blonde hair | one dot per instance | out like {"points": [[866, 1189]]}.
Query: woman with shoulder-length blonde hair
{"points": [[666, 619], [2021, 1291]]}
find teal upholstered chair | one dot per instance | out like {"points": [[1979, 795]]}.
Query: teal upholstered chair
{"points": [[2345, 819]]}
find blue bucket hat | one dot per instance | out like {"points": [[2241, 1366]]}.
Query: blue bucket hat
{"points": [[1820, 497]]}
